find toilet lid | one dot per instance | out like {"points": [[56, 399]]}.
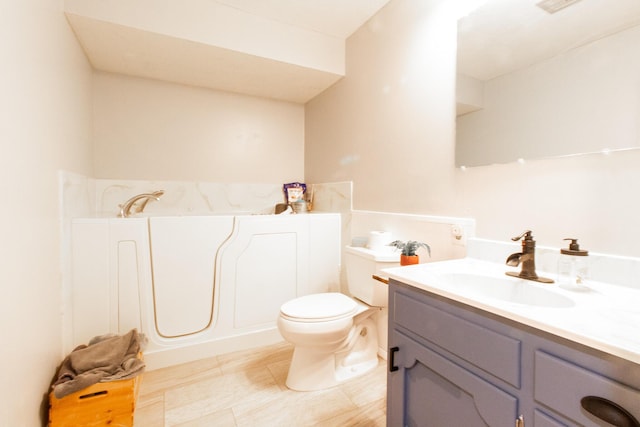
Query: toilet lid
{"points": [[319, 307]]}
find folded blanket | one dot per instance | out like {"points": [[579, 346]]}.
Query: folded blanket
{"points": [[106, 358]]}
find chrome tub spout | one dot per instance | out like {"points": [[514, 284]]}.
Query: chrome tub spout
{"points": [[125, 208]]}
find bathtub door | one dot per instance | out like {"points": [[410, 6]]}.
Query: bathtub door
{"points": [[183, 254]]}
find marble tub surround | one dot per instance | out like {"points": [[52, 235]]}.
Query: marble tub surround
{"points": [[336, 197], [191, 197], [604, 315], [332, 197], [81, 196], [76, 195]]}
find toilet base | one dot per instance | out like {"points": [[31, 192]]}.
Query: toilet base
{"points": [[312, 369]]}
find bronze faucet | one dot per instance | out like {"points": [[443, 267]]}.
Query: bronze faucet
{"points": [[528, 259]]}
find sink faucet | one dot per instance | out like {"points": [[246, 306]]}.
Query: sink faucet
{"points": [[528, 259], [125, 208]]}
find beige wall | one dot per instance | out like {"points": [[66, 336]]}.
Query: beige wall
{"points": [[389, 127], [147, 129], [45, 82]]}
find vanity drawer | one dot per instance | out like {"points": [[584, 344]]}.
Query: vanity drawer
{"points": [[488, 350], [561, 385]]}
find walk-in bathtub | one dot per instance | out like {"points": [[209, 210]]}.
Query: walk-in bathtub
{"points": [[197, 286]]}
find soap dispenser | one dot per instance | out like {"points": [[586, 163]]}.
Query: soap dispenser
{"points": [[573, 266]]}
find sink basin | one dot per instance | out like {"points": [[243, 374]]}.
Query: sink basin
{"points": [[516, 291]]}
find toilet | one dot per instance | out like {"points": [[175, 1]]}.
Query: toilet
{"points": [[337, 337]]}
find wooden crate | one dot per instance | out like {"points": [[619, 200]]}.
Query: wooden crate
{"points": [[102, 404]]}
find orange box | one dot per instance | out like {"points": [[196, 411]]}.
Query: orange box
{"points": [[102, 404]]}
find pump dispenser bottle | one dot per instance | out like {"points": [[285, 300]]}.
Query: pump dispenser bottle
{"points": [[573, 266]]}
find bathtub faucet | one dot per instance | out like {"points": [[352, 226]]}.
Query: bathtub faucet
{"points": [[125, 208]]}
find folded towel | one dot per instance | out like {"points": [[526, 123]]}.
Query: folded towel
{"points": [[106, 358]]}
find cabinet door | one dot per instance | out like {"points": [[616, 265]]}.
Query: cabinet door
{"points": [[429, 390]]}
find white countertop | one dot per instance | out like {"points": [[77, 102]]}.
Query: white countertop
{"points": [[604, 316]]}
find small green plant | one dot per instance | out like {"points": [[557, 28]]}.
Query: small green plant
{"points": [[410, 247]]}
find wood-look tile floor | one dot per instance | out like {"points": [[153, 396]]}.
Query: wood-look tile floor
{"points": [[247, 389]]}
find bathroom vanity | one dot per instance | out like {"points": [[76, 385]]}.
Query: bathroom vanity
{"points": [[472, 357]]}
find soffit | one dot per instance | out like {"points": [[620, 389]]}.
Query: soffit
{"points": [[289, 50]]}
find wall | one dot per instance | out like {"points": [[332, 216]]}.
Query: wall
{"points": [[392, 134], [389, 124], [152, 130], [45, 126]]}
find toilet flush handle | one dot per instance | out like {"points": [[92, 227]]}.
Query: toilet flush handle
{"points": [[380, 279]]}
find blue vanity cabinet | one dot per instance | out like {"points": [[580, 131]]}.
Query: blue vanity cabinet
{"points": [[446, 370], [454, 365], [438, 392]]}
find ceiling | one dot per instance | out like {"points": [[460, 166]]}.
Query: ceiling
{"points": [[289, 50], [506, 35], [339, 18], [499, 37]]}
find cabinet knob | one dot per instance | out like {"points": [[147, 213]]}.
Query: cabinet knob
{"points": [[608, 411]]}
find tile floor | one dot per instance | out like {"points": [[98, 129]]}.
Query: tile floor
{"points": [[248, 389]]}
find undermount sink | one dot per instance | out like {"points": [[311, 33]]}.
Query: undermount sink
{"points": [[516, 291]]}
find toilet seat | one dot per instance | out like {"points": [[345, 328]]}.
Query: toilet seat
{"points": [[319, 307]]}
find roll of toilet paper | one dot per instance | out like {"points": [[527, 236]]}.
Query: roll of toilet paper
{"points": [[378, 240]]}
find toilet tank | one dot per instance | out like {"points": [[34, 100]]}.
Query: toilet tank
{"points": [[362, 264]]}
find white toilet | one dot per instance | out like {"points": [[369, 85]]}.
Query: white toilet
{"points": [[336, 337]]}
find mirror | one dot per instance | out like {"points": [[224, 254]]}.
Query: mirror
{"points": [[534, 84]]}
